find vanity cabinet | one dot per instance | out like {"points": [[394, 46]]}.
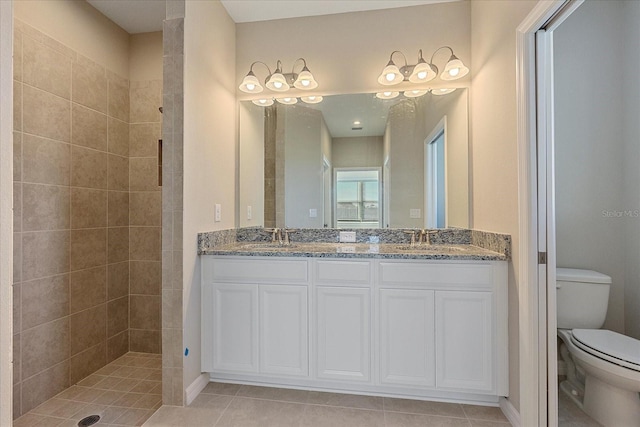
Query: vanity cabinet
{"points": [[413, 328]]}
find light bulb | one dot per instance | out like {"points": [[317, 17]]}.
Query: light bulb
{"points": [[278, 85], [262, 101], [422, 75], [454, 72], [305, 83], [312, 98], [390, 77], [251, 86], [386, 93]]}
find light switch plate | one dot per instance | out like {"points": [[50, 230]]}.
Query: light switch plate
{"points": [[249, 213], [347, 237], [414, 213], [218, 214], [313, 213]]}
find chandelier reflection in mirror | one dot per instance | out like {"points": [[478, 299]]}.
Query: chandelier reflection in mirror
{"points": [[423, 71]]}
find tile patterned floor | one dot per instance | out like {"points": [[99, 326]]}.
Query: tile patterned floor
{"points": [[569, 415], [229, 405], [126, 392]]}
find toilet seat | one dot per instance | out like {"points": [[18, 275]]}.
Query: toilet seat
{"points": [[610, 346]]}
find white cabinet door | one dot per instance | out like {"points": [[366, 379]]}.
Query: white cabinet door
{"points": [[464, 341], [344, 341], [284, 332], [407, 337], [235, 327]]}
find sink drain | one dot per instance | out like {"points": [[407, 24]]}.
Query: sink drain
{"points": [[89, 421]]}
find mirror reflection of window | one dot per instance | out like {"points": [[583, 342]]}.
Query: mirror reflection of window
{"points": [[358, 194]]}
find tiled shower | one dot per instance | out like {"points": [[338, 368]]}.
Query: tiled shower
{"points": [[87, 217]]}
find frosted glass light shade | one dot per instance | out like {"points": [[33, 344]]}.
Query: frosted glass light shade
{"points": [[423, 72], [250, 84], [311, 99], [442, 91], [305, 80], [387, 95], [454, 69], [263, 102], [277, 83], [414, 93], [287, 101], [391, 75]]}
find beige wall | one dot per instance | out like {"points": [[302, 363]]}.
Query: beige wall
{"points": [[210, 134], [358, 151], [85, 30], [346, 52], [493, 140], [145, 56]]}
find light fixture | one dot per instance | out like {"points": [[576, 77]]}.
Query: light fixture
{"points": [[287, 100], [423, 71], [315, 99], [442, 91], [279, 81], [387, 94], [414, 93], [264, 102]]}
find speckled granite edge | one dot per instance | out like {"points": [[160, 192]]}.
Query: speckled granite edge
{"points": [[495, 242], [212, 239]]}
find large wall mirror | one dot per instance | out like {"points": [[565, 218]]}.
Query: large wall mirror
{"points": [[356, 161]]}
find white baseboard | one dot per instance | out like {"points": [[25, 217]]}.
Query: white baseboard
{"points": [[195, 388], [510, 412]]}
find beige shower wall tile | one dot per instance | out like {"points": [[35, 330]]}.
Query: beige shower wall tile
{"points": [[44, 254], [88, 128], [117, 316], [45, 114], [145, 341], [45, 207], [88, 288], [46, 68], [146, 208], [45, 385], [118, 173], [146, 99], [88, 168], [17, 54], [44, 346], [118, 137], [88, 328], [17, 260], [89, 84], [88, 248], [17, 206], [119, 100], [118, 209], [17, 105], [144, 139], [44, 300], [144, 312], [88, 208], [45, 161], [145, 277], [117, 280], [17, 156], [145, 244], [118, 250], [117, 345], [87, 362], [143, 174]]}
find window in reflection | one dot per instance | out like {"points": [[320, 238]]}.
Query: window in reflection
{"points": [[357, 198]]}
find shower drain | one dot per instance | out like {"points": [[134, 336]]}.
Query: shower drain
{"points": [[89, 421]]}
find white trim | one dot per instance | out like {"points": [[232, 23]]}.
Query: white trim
{"points": [[194, 389], [6, 212], [510, 411], [430, 210], [530, 358]]}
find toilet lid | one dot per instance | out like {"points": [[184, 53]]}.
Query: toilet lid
{"points": [[612, 346]]}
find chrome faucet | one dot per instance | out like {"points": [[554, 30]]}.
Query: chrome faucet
{"points": [[425, 236], [275, 234], [286, 240], [412, 233]]}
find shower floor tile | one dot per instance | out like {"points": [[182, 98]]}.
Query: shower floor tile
{"points": [[123, 393]]}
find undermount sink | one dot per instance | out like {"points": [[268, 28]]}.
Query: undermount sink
{"points": [[429, 248]]}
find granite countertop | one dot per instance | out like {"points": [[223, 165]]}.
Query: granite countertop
{"points": [[358, 250]]}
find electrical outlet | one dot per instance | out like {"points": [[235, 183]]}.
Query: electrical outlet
{"points": [[218, 215], [347, 237], [249, 214], [313, 213], [414, 213]]}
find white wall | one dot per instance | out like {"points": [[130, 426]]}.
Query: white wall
{"points": [[590, 148], [252, 165], [357, 151], [6, 212], [85, 30], [493, 140], [303, 171], [346, 52], [210, 134], [631, 136]]}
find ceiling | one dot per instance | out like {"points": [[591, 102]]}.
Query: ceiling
{"points": [[143, 16]]}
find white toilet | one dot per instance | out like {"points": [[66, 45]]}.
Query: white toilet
{"points": [[603, 367]]}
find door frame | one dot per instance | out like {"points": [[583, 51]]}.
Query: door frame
{"points": [[538, 404], [429, 176]]}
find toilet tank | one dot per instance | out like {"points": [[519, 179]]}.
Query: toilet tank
{"points": [[582, 298]]}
